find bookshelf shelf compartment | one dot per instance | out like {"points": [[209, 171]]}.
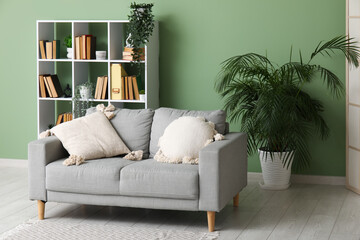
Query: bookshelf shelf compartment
{"points": [[110, 37]]}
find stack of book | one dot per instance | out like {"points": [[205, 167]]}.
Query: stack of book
{"points": [[49, 49], [128, 54], [122, 87], [50, 86], [64, 117], [101, 87], [85, 47]]}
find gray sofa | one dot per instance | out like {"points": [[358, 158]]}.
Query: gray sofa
{"points": [[219, 177]]}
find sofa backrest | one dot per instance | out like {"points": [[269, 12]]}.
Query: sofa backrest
{"points": [[164, 116], [133, 127]]}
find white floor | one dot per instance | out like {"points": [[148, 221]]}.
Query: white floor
{"points": [[301, 212]]}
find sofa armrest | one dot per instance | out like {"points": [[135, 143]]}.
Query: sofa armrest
{"points": [[40, 153], [222, 171]]}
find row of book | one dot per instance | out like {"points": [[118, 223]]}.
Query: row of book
{"points": [[49, 49], [85, 47], [101, 85], [50, 86], [123, 87], [128, 54], [64, 117]]}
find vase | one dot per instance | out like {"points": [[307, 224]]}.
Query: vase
{"points": [[85, 92], [276, 176], [142, 97], [69, 53]]}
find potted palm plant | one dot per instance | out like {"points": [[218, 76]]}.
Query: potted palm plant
{"points": [[274, 109]]}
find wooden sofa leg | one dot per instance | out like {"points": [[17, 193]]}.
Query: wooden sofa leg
{"points": [[41, 209], [236, 200], [211, 220]]}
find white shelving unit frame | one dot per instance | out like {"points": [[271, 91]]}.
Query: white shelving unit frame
{"points": [[45, 30]]}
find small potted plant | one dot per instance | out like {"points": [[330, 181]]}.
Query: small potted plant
{"points": [[85, 90], [68, 44], [142, 95]]}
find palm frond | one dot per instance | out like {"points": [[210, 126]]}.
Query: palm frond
{"points": [[346, 45]]}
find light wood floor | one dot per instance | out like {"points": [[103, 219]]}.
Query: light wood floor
{"points": [[301, 212]]}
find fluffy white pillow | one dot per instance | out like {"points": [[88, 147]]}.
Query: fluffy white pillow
{"points": [[184, 138], [89, 137]]}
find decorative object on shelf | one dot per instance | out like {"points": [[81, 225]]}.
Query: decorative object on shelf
{"points": [[275, 111], [68, 44], [100, 55], [140, 28], [85, 90], [82, 97], [142, 95], [67, 91]]}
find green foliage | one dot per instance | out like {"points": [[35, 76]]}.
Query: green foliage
{"points": [[142, 92], [141, 25], [68, 41], [269, 100]]}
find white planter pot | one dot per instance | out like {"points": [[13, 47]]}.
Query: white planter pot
{"points": [[142, 97], [275, 175], [69, 53], [85, 92]]}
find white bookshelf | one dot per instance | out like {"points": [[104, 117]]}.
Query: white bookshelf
{"points": [[110, 36]]}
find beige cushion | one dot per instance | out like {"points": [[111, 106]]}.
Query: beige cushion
{"points": [[90, 137], [183, 139]]}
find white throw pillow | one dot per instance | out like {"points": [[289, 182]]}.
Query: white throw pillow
{"points": [[89, 137], [184, 138]]}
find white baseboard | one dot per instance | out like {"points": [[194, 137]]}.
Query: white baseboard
{"points": [[13, 163], [307, 179]]}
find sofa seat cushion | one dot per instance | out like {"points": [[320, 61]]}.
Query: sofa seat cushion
{"points": [[99, 176], [150, 178]]}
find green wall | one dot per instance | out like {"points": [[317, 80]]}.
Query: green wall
{"points": [[195, 37]]}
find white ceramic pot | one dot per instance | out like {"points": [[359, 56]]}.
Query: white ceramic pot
{"points": [[275, 175], [100, 55], [69, 53], [142, 97], [85, 92]]}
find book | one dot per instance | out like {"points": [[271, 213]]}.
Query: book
{"points": [[116, 73], [77, 47], [104, 89], [65, 117], [48, 50], [84, 46], [42, 49], [127, 54], [90, 47], [131, 92], [57, 85], [81, 47], [42, 86], [48, 86], [122, 88], [136, 89], [60, 117], [126, 89], [93, 48], [56, 49], [52, 86], [97, 89]]}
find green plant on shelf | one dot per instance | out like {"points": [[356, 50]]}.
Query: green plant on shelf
{"points": [[142, 92], [68, 41]]}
